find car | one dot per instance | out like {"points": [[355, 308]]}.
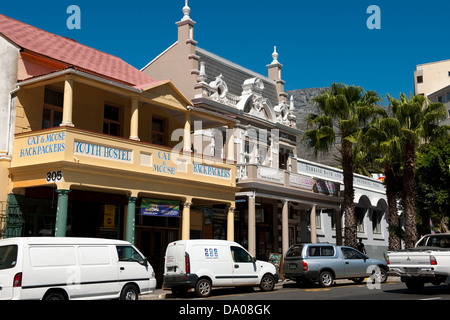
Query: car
{"points": [[324, 262]]}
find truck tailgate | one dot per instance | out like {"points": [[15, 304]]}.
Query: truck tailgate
{"points": [[409, 258]]}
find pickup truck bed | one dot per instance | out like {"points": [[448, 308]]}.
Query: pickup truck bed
{"points": [[422, 264]]}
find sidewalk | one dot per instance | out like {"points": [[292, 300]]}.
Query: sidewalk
{"points": [[160, 294]]}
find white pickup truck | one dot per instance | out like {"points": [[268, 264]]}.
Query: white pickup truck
{"points": [[428, 261]]}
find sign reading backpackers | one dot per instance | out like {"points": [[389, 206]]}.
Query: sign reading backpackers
{"points": [[210, 171], [160, 208], [44, 144]]}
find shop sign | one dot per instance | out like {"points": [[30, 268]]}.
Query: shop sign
{"points": [[44, 144], [160, 208], [327, 187], [164, 167], [210, 171], [109, 216], [300, 181], [102, 152], [271, 174]]}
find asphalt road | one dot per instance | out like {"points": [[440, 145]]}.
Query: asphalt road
{"points": [[342, 290]]}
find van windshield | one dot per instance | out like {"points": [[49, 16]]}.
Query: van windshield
{"points": [[8, 257]]}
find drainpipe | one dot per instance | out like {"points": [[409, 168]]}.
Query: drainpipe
{"points": [[8, 126]]}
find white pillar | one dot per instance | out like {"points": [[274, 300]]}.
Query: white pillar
{"points": [[134, 125], [186, 222], [285, 227], [313, 225], [251, 225], [68, 103]]}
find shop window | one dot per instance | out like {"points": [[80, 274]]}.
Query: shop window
{"points": [[159, 131], [53, 108], [111, 120]]}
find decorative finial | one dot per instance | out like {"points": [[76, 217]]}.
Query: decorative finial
{"points": [[186, 11], [291, 104], [275, 55]]}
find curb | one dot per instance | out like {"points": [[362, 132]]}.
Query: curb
{"points": [[160, 294]]}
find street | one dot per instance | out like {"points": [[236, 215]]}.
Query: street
{"points": [[342, 290]]}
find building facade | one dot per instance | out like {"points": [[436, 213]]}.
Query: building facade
{"points": [[433, 81], [279, 202], [92, 147]]}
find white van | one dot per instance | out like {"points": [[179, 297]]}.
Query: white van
{"points": [[203, 264], [72, 268]]}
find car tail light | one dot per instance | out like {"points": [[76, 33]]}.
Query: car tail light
{"points": [[305, 266], [17, 281], [387, 261], [187, 264], [433, 260]]}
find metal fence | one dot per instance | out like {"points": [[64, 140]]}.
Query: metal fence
{"points": [[11, 221]]}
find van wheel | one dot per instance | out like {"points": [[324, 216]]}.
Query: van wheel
{"points": [[203, 288], [54, 296], [267, 283], [129, 292], [326, 279]]}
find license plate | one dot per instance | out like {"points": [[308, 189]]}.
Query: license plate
{"points": [[292, 266], [411, 269]]}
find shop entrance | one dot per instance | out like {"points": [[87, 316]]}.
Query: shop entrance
{"points": [[152, 242]]}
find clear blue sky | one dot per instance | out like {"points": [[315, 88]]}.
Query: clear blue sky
{"points": [[319, 42]]}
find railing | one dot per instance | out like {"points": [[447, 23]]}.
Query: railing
{"points": [[255, 172]]}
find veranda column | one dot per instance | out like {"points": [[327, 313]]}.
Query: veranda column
{"points": [[134, 125], [285, 227], [187, 133], [61, 213], [251, 225], [131, 219], [313, 226], [186, 222], [230, 144], [68, 103], [230, 223]]}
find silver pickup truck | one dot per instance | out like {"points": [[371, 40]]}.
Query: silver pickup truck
{"points": [[427, 262], [324, 262]]}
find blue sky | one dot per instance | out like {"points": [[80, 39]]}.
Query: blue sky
{"points": [[319, 42]]}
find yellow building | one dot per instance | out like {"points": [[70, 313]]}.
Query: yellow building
{"points": [[93, 147]]}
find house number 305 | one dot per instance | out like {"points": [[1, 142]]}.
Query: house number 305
{"points": [[54, 176]]}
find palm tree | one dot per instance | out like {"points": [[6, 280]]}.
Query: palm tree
{"points": [[419, 121], [342, 112], [383, 139]]}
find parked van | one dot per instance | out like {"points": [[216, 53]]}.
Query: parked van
{"points": [[203, 264], [72, 268]]}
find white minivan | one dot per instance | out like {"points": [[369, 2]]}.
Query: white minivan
{"points": [[72, 268], [203, 264]]}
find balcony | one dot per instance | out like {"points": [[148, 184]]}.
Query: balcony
{"points": [[69, 150]]}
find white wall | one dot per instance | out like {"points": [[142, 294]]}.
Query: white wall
{"points": [[9, 60]]}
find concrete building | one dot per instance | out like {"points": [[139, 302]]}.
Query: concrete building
{"points": [[433, 80], [282, 199]]}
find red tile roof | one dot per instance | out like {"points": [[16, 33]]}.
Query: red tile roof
{"points": [[71, 53]]}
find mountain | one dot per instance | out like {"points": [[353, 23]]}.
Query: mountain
{"points": [[303, 106]]}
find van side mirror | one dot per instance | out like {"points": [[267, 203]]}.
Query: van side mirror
{"points": [[253, 259], [144, 262]]}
